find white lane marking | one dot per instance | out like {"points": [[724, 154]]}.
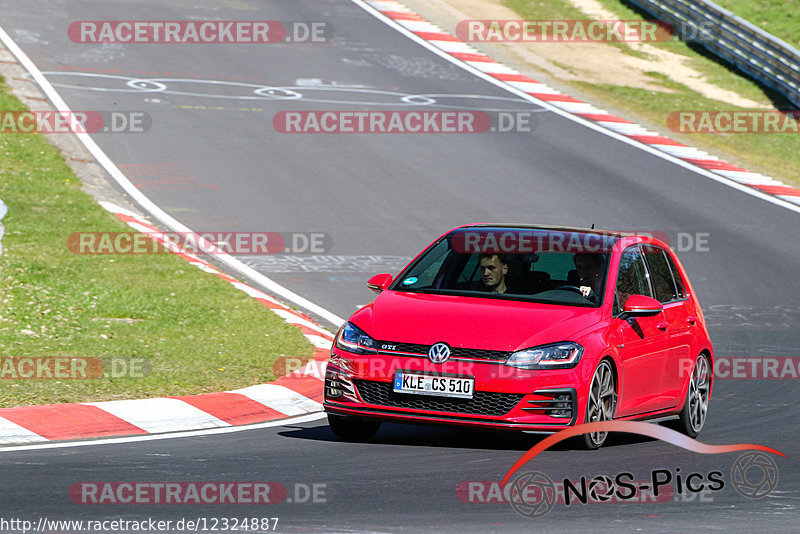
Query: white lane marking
{"points": [[420, 26], [575, 107], [457, 47], [11, 432], [534, 87], [160, 414], [492, 67], [113, 208], [280, 398], [750, 177], [365, 5], [205, 267], [627, 128], [148, 204], [683, 151], [253, 292], [319, 341], [292, 318], [314, 369], [156, 437], [391, 6], [328, 263]]}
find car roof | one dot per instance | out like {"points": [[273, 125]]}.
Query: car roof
{"points": [[547, 228], [610, 237]]}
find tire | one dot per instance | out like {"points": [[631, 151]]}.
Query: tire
{"points": [[601, 404], [695, 407], [351, 428]]}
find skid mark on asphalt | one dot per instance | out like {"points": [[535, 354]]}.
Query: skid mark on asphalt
{"points": [[317, 93], [326, 263], [220, 108], [162, 176], [144, 73], [742, 316]]}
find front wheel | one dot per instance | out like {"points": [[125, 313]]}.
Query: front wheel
{"points": [[601, 404], [351, 428], [695, 408]]}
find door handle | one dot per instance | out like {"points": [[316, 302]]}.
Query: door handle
{"points": [[691, 319], [662, 326]]}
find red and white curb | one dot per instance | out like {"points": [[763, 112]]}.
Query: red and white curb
{"points": [[298, 393], [460, 50]]}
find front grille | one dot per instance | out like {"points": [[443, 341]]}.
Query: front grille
{"points": [[414, 348], [557, 403], [455, 352], [482, 403], [479, 354]]}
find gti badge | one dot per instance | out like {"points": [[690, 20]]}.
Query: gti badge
{"points": [[439, 353]]}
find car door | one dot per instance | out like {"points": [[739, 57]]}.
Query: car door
{"points": [[679, 315], [642, 341]]}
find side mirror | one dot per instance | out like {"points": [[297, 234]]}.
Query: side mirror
{"points": [[379, 282], [641, 306]]}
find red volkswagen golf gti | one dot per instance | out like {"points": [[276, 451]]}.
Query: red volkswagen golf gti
{"points": [[525, 327]]}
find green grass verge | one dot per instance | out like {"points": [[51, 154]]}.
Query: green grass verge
{"points": [[776, 155], [781, 18], [194, 331]]}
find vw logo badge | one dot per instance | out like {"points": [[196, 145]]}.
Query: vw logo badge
{"points": [[439, 353]]}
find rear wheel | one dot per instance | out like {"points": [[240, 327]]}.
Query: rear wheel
{"points": [[601, 404], [695, 408], [351, 428]]}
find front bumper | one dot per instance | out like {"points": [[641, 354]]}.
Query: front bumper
{"points": [[518, 404]]}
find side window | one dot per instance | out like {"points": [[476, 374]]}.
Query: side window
{"points": [[632, 278], [676, 276], [660, 274]]}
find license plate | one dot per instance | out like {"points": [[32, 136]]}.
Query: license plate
{"points": [[439, 386]]}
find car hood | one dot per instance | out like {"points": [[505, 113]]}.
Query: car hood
{"points": [[471, 322]]}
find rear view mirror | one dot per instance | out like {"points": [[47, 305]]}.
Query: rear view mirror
{"points": [[379, 282], [641, 306]]}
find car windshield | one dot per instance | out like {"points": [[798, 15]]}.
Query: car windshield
{"points": [[562, 267]]}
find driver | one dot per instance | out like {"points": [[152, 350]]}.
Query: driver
{"points": [[590, 271], [493, 270]]}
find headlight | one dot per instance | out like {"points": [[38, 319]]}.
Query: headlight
{"points": [[554, 356], [353, 339]]}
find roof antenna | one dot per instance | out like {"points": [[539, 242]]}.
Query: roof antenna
{"points": [[592, 226]]}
